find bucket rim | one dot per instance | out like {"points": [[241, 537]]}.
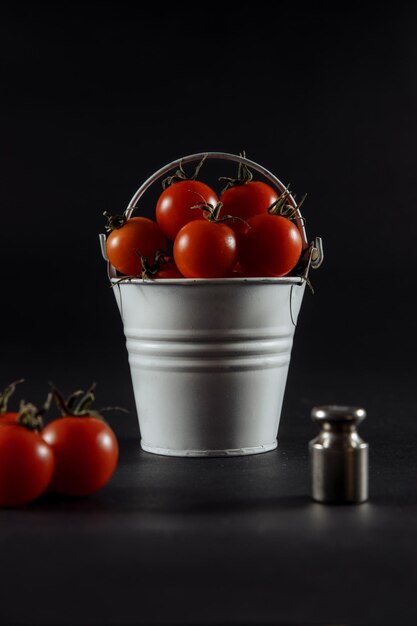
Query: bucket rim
{"points": [[251, 280]]}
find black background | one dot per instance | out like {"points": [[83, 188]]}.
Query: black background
{"points": [[97, 96]]}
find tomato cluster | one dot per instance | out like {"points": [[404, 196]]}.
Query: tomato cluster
{"points": [[74, 455], [250, 230]]}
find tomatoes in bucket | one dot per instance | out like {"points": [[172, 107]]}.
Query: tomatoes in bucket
{"points": [[271, 247], [243, 198], [175, 206], [206, 248], [130, 240]]}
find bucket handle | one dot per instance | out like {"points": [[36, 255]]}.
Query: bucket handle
{"points": [[316, 248]]}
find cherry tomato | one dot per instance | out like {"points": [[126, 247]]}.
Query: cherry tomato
{"points": [[138, 236], [271, 247], [26, 465], [205, 249], [86, 453], [245, 201], [163, 267], [168, 270], [173, 209]]}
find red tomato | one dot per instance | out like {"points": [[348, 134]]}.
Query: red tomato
{"points": [[271, 247], [173, 209], [246, 201], [86, 453], [163, 267], [139, 236], [168, 270], [204, 249], [26, 465]]}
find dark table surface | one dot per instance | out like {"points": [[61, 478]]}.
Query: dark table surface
{"points": [[234, 541]]}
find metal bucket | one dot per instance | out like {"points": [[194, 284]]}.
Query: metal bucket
{"points": [[209, 358]]}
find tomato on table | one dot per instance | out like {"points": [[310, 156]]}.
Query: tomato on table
{"points": [[174, 207], [26, 460], [85, 447], [131, 239]]}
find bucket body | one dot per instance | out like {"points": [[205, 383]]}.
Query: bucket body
{"points": [[209, 361]]}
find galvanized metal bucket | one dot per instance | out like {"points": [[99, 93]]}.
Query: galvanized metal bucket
{"points": [[209, 358]]}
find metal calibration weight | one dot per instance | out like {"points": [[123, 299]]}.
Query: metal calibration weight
{"points": [[338, 456]]}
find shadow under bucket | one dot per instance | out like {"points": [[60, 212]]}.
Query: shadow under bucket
{"points": [[209, 358]]}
